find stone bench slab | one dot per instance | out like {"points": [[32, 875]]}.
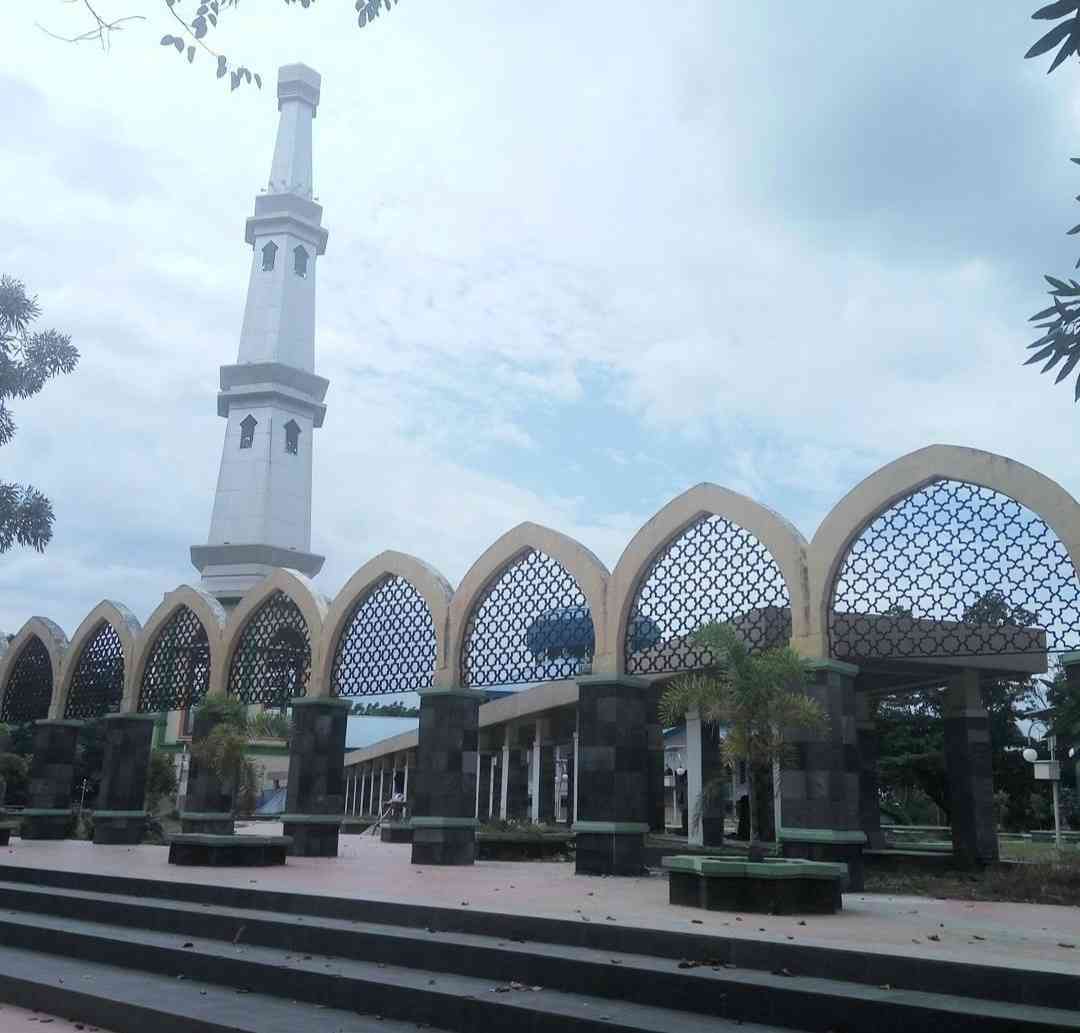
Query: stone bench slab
{"points": [[228, 851]]}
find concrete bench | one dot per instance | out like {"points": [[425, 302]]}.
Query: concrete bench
{"points": [[228, 851], [775, 886], [6, 829], [395, 832]]}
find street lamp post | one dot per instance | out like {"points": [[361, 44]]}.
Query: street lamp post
{"points": [[1048, 771]]}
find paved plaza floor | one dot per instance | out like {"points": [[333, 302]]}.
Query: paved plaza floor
{"points": [[19, 1020], [1026, 935]]}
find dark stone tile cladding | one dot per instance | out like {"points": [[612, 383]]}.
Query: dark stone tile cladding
{"points": [[547, 784], [128, 744], [316, 775], [485, 786], [655, 735], [445, 776], [207, 793], [755, 896], [247, 851], [613, 778], [713, 770], [869, 740], [52, 770], [971, 789]]}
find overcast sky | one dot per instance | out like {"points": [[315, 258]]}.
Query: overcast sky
{"points": [[582, 256]]}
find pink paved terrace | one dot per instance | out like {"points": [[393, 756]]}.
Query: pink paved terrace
{"points": [[1016, 935]]}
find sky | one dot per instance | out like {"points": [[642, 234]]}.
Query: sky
{"points": [[582, 256]]}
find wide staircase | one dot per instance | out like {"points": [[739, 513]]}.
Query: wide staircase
{"points": [[139, 955]]}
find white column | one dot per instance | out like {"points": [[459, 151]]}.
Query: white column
{"points": [[476, 809], [505, 790], [405, 788], [371, 788], [350, 781], [382, 773], [359, 804], [577, 768], [491, 787], [696, 833], [535, 780]]}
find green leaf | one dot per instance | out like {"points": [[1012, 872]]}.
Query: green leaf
{"points": [[166, 41], [1040, 355], [1050, 40], [258, 80], [178, 43], [1056, 284], [1042, 315], [1060, 9], [1066, 51], [1053, 361], [221, 65], [1069, 366]]}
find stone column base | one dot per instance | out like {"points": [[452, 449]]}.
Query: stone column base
{"points": [[839, 846], [119, 827], [313, 835], [47, 823], [443, 841], [609, 847], [207, 823]]}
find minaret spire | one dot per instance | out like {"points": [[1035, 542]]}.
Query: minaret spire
{"points": [[271, 397]]}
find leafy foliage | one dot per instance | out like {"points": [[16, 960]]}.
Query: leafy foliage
{"points": [[160, 779], [756, 699], [395, 709], [28, 360], [1059, 344], [193, 24]]}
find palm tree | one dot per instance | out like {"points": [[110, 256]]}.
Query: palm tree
{"points": [[754, 699]]}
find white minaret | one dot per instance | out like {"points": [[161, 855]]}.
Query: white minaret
{"points": [[272, 398]]}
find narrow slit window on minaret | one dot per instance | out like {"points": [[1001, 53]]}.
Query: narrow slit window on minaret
{"points": [[247, 430], [300, 257], [292, 437], [269, 253]]}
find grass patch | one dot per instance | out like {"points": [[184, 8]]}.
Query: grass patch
{"points": [[1046, 880]]}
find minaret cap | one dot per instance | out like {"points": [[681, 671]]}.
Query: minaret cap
{"points": [[298, 82]]}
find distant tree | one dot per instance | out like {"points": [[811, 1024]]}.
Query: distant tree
{"points": [[160, 779], [395, 709], [27, 361], [191, 23]]}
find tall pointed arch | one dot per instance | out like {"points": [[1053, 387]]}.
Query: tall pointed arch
{"points": [[710, 554], [948, 551], [95, 678], [386, 629], [272, 640], [31, 671], [532, 608], [179, 652]]}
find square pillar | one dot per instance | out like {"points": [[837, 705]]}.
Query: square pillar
{"points": [[315, 797], [444, 822], [516, 779], [547, 784], [705, 767], [969, 772], [535, 776], [52, 770], [613, 774], [820, 789], [570, 752], [657, 791], [120, 816], [869, 742], [211, 800], [484, 786]]}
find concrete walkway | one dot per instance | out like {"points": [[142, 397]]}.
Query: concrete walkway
{"points": [[1028, 935], [19, 1020]]}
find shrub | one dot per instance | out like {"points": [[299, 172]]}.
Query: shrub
{"points": [[160, 779]]}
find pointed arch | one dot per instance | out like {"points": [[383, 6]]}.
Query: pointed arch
{"points": [[388, 566], [301, 613], [584, 569], [98, 668], [908, 475], [763, 542], [38, 633], [211, 617]]}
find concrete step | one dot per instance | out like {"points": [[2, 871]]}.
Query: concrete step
{"points": [[133, 1001], [1032, 987], [445, 1001], [784, 997]]}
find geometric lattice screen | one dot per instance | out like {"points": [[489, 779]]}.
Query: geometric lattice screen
{"points": [[97, 687], [954, 569], [272, 663], [713, 571], [29, 689], [388, 644], [533, 624], [177, 675]]}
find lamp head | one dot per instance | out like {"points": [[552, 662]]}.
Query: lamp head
{"points": [[1030, 755]]}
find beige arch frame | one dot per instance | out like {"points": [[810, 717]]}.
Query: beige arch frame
{"points": [[908, 474], [434, 589], [583, 566], [783, 541], [311, 603], [211, 615], [52, 637], [128, 630]]}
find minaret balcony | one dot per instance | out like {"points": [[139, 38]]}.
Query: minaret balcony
{"points": [[252, 382]]}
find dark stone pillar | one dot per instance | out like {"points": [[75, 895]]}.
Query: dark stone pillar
{"points": [[52, 770], [486, 760], [547, 784], [211, 800], [869, 742], [716, 773], [969, 772], [517, 775], [820, 789], [655, 732], [496, 800], [315, 797], [410, 783], [120, 816], [444, 824], [613, 775]]}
